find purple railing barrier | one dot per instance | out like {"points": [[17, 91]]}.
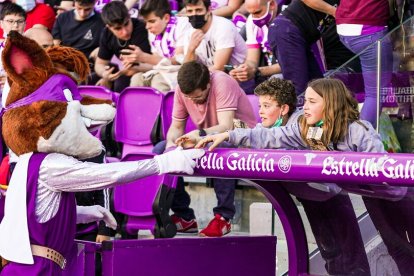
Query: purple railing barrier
{"points": [[84, 263], [242, 256], [353, 171], [380, 169]]}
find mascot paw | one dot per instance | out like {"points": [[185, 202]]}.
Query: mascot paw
{"points": [[178, 160], [87, 214]]}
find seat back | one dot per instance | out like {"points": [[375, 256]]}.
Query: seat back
{"points": [[99, 92], [137, 112], [136, 198], [146, 201], [254, 101], [166, 115]]}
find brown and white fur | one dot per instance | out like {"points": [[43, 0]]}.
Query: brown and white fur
{"points": [[49, 126]]}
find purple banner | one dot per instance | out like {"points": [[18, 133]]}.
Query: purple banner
{"points": [[338, 167]]}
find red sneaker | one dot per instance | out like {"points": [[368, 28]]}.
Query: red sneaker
{"points": [[185, 226], [217, 227]]}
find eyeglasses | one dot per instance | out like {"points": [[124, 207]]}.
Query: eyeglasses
{"points": [[18, 22]]}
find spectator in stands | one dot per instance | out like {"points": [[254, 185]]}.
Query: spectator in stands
{"points": [[164, 32], [277, 101], [262, 13], [212, 101], [42, 36], [291, 35], [214, 40], [38, 14], [12, 18], [360, 24], [79, 28], [120, 32]]}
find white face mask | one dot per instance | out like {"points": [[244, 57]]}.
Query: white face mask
{"points": [[27, 5]]}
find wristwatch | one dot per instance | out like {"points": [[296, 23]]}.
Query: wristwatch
{"points": [[202, 132]]}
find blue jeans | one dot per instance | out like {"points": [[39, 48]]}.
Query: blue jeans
{"points": [[368, 58]]}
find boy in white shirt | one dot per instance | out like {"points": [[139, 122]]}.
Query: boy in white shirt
{"points": [[164, 30]]}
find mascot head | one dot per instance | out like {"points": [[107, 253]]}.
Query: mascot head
{"points": [[44, 111]]}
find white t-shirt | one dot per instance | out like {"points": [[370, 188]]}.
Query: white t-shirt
{"points": [[164, 45], [222, 34]]}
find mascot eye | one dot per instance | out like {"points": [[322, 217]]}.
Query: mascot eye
{"points": [[68, 94]]}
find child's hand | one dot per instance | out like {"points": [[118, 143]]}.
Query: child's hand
{"points": [[215, 139]]}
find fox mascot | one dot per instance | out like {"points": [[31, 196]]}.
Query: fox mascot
{"points": [[45, 123]]}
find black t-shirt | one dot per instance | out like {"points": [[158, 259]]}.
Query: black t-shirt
{"points": [[110, 45], [306, 18], [82, 35]]}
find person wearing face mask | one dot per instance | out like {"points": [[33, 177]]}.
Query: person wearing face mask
{"points": [[260, 62], [214, 40], [38, 15]]}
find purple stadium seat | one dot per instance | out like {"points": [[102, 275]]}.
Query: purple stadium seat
{"points": [[147, 201], [96, 92], [254, 101], [137, 112], [166, 115]]}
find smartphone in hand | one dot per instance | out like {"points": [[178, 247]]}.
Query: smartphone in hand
{"points": [[116, 68], [125, 53]]}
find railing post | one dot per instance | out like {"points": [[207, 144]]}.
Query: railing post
{"points": [[378, 84]]}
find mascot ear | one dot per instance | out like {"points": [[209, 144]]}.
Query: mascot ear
{"points": [[21, 55], [69, 59]]}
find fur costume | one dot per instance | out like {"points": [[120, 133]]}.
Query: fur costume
{"points": [[45, 123]]}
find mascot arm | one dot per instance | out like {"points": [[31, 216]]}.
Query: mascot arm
{"points": [[62, 173]]}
